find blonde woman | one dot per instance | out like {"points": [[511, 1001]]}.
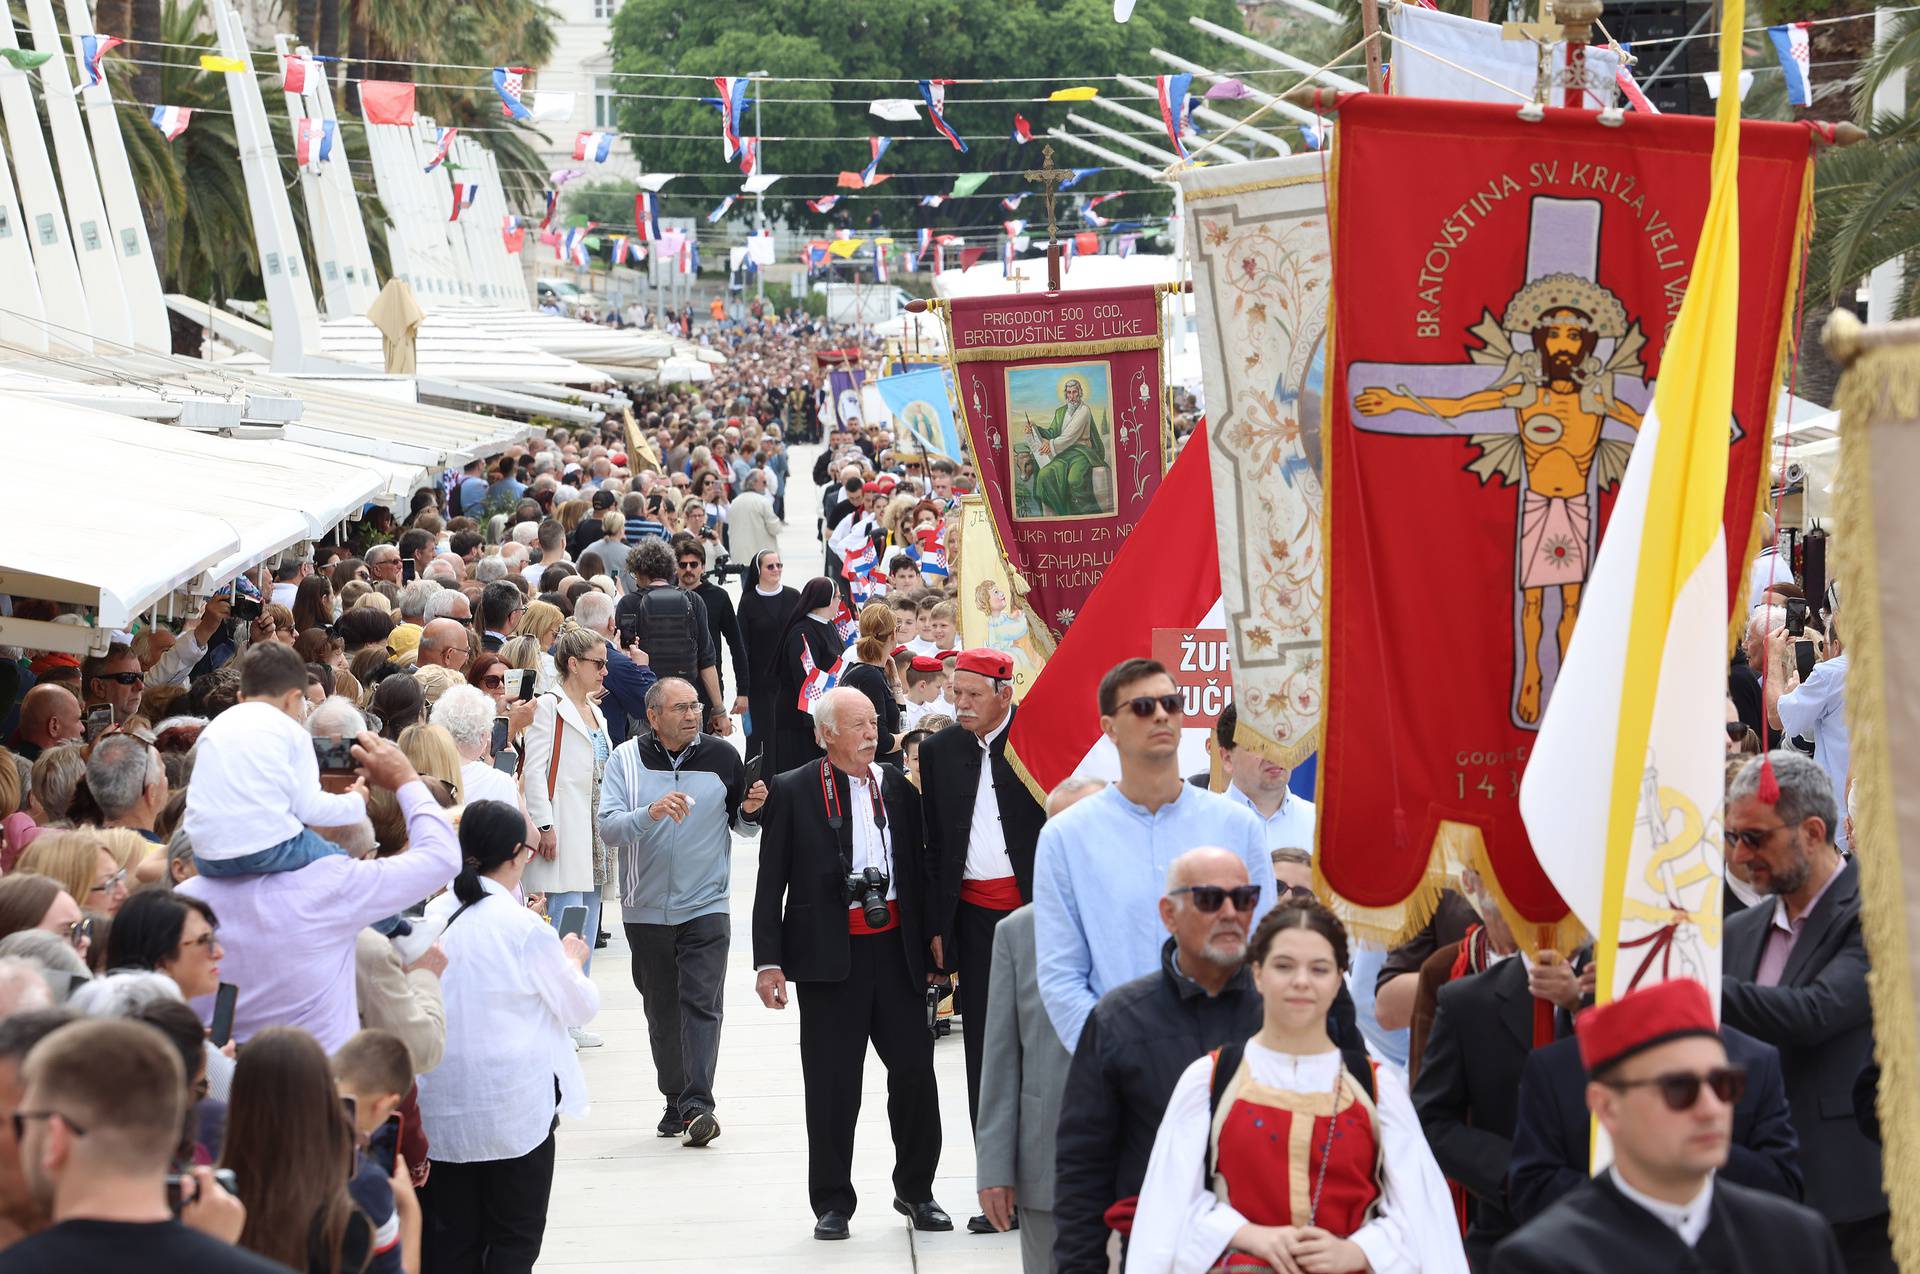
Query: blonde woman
{"points": [[82, 864], [432, 751], [541, 621], [139, 858], [570, 515], [563, 753], [870, 670]]}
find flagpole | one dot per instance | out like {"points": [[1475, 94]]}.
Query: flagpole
{"points": [[760, 197]]}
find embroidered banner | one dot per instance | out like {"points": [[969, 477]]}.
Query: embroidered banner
{"points": [[1503, 295], [1063, 410], [1257, 236], [993, 612]]}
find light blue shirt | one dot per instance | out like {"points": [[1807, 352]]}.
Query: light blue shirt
{"points": [[1816, 710], [1291, 826], [1099, 874]]}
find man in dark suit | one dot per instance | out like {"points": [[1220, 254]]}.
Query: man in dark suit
{"points": [[1552, 1145], [1661, 1086], [982, 825], [860, 963], [1483, 1030], [1796, 976]]}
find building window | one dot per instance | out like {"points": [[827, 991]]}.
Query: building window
{"points": [[604, 9], [606, 107]]}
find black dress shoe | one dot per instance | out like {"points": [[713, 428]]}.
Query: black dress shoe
{"points": [[980, 1225], [925, 1216], [602, 939], [831, 1225]]}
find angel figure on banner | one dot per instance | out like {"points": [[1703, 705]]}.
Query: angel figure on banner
{"points": [[1565, 353], [1008, 630]]}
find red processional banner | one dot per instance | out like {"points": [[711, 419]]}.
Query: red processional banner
{"points": [[1063, 409], [1502, 293]]}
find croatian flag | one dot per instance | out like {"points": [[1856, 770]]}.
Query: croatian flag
{"points": [[1796, 60], [92, 49], [1012, 202], [512, 234], [815, 681], [733, 103], [1174, 115], [879, 263], [934, 92], [593, 147], [750, 156], [312, 141], [646, 215], [845, 625], [299, 74], [1015, 228], [932, 201], [619, 250], [463, 195], [726, 205], [1087, 213], [860, 561], [931, 552], [824, 204], [1022, 131], [553, 197], [1074, 180], [440, 147], [506, 82], [574, 245], [878, 145], [171, 120], [1628, 85]]}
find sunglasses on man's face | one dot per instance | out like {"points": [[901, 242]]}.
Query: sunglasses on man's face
{"points": [[124, 678], [1681, 1089], [1209, 897], [1144, 705]]}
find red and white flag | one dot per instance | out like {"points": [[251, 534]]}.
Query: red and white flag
{"points": [[816, 681]]}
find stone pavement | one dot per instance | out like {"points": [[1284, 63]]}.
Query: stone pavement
{"points": [[624, 1199]]}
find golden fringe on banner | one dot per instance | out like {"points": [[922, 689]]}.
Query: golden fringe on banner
{"points": [[1060, 349], [1880, 393]]}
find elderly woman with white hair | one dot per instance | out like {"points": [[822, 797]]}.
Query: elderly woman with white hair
{"points": [[468, 715]]}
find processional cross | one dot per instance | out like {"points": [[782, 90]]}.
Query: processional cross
{"points": [[1049, 178]]}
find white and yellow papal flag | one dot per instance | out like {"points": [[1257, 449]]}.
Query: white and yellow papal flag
{"points": [[1623, 793]]}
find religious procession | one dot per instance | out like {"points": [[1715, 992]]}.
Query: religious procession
{"points": [[1251, 603]]}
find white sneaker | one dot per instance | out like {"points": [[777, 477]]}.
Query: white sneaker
{"points": [[584, 1039]]}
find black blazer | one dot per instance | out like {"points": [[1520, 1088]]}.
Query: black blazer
{"points": [[1598, 1230], [949, 781], [1821, 1020], [1552, 1141], [1468, 1086], [799, 905]]}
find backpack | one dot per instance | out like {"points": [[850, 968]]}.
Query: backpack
{"points": [[663, 619]]}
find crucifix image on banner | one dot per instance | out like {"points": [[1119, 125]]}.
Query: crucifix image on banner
{"points": [[1548, 403]]}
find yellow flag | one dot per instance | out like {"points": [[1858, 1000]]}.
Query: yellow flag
{"points": [[846, 247], [1085, 93], [214, 62]]}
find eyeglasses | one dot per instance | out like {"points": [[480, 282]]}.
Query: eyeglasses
{"points": [[124, 678], [80, 933], [684, 709], [1305, 891], [523, 845], [1209, 897], [21, 1118], [206, 941], [600, 663], [1752, 837], [1145, 704], [691, 565], [772, 566], [108, 884], [1681, 1089], [492, 683]]}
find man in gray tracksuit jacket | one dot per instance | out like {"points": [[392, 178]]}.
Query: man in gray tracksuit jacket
{"points": [[669, 799]]}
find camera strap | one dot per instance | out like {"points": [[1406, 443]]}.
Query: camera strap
{"points": [[843, 834]]}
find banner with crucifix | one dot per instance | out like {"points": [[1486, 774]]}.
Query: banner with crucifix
{"points": [[1063, 410], [1503, 291]]}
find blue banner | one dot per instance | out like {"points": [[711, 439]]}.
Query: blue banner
{"points": [[922, 406]]}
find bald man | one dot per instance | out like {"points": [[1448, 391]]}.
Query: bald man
{"points": [[444, 643], [49, 716]]}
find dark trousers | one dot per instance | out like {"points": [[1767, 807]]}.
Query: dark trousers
{"points": [[876, 1001], [973, 939], [680, 971], [1865, 1246], [488, 1217], [793, 746], [760, 717]]}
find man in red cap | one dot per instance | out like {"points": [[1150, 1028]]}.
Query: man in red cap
{"points": [[982, 825], [1661, 1087]]}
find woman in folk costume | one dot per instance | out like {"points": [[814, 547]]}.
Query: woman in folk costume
{"points": [[1286, 1154]]}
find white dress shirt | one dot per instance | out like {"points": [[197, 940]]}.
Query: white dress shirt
{"points": [[482, 782], [1688, 1220], [872, 844], [510, 996], [1816, 710], [987, 842], [256, 784], [1291, 824]]}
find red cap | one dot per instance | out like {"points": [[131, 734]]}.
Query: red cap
{"points": [[1641, 1019], [620, 458], [896, 652], [927, 663], [882, 483], [51, 659], [986, 661]]}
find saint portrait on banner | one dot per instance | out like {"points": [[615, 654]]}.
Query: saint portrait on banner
{"points": [[1062, 437]]}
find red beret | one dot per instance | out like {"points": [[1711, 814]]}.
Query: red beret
{"points": [[1642, 1019], [986, 661], [927, 663], [896, 652], [882, 483], [620, 458], [51, 659]]}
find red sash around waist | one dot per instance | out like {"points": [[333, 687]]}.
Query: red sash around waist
{"points": [[1001, 894], [857, 924]]}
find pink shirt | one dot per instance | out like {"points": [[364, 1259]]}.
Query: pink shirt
{"points": [[1783, 933]]}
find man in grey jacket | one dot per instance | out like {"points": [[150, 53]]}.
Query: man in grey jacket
{"points": [[1022, 1076], [669, 799]]}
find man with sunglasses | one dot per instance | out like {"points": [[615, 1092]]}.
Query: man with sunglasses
{"points": [[114, 679], [1100, 867], [1660, 1085], [1796, 977]]}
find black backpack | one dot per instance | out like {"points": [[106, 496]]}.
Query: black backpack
{"points": [[663, 620]]}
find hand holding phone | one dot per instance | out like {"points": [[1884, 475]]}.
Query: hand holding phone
{"points": [[224, 1000], [573, 921]]}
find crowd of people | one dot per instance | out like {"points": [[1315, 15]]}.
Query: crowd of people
{"points": [[299, 905]]}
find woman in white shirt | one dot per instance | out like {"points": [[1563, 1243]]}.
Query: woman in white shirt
{"points": [[1307, 1159], [512, 988], [467, 715]]}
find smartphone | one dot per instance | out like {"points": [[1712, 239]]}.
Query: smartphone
{"points": [[1796, 616], [573, 920], [754, 766], [98, 721], [629, 629], [335, 756], [520, 683], [221, 1029], [181, 1189], [383, 1146], [507, 761], [406, 570], [1803, 658], [499, 743]]}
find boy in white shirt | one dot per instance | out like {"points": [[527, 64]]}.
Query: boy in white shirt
{"points": [[256, 781], [926, 684]]}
